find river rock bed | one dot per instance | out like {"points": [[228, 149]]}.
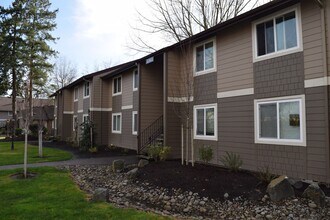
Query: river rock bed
{"points": [[126, 191]]}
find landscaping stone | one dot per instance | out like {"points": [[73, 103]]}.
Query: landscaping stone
{"points": [[118, 165], [180, 204], [101, 195], [279, 189], [315, 193], [132, 173], [143, 163], [297, 184]]}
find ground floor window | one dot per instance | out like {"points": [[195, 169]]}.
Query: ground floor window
{"points": [[75, 122], [116, 123], [205, 122], [134, 122], [280, 120], [85, 118]]}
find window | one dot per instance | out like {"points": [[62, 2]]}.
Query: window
{"points": [[85, 118], [280, 121], [10, 113], [134, 122], [74, 122], [86, 89], [116, 123], [278, 35], [205, 58], [135, 80], [76, 94], [117, 86], [205, 122]]}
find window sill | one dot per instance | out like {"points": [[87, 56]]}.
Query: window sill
{"points": [[277, 54], [206, 138], [135, 89], [134, 133], [116, 94], [76, 100], [116, 132], [85, 97], [281, 142], [205, 72]]}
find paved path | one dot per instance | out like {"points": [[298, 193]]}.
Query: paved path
{"points": [[82, 161]]}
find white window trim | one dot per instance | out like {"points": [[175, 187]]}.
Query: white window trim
{"points": [[113, 86], [73, 122], [299, 47], [83, 116], [121, 119], [10, 113], [89, 89], [214, 69], [75, 99], [135, 88], [302, 112], [133, 113], [202, 137]]}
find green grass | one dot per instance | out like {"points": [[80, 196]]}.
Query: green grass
{"points": [[53, 195], [17, 156]]}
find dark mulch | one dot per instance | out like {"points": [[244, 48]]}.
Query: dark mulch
{"points": [[209, 181], [102, 151], [29, 175]]}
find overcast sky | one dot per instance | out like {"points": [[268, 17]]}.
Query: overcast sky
{"points": [[93, 32]]}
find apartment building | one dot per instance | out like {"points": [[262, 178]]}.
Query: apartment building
{"points": [[256, 85]]}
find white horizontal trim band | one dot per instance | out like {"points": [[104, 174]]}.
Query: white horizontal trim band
{"points": [[126, 107], [322, 81], [80, 111], [180, 99], [233, 93], [68, 112], [100, 109]]}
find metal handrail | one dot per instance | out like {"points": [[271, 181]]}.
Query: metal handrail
{"points": [[150, 134]]}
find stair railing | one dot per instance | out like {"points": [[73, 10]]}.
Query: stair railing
{"points": [[150, 134]]}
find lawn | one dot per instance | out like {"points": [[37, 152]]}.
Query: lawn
{"points": [[53, 195], [16, 157]]}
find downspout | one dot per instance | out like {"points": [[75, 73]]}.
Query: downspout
{"points": [[101, 117], [325, 45], [165, 98], [90, 106], [139, 107]]}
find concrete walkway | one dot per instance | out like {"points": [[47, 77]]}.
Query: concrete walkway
{"points": [[82, 161]]}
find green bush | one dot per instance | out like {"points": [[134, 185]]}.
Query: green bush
{"points": [[158, 153], [205, 153], [18, 131], [265, 176], [85, 141], [34, 130], [232, 161]]}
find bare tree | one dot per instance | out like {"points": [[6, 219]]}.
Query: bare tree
{"points": [[176, 20], [64, 73]]}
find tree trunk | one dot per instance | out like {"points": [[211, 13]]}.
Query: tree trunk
{"points": [[13, 107], [182, 145], [25, 152], [40, 142]]}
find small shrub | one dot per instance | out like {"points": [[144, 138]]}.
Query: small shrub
{"points": [[265, 176], [85, 140], [158, 153], [34, 130], [232, 161], [205, 153], [18, 131], [93, 150]]}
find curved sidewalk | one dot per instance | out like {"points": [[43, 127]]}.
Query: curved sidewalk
{"points": [[81, 161]]}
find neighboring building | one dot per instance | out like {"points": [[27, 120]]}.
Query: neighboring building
{"points": [[6, 113], [256, 85]]}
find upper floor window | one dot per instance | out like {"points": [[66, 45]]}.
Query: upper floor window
{"points": [[277, 35], [205, 122], [76, 93], [117, 86], [280, 121], [205, 57], [135, 80], [86, 89]]}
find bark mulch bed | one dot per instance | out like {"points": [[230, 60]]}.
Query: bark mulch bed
{"points": [[207, 181]]}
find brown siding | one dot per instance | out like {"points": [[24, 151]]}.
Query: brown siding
{"points": [[312, 40], [205, 89], [151, 92], [68, 100], [234, 58], [280, 76], [127, 88], [102, 127]]}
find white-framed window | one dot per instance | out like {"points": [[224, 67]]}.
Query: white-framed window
{"points": [[116, 123], [135, 80], [277, 35], [76, 93], [205, 122], [86, 89], [85, 118], [205, 57], [134, 122], [10, 113], [74, 122], [280, 121], [116, 86]]}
